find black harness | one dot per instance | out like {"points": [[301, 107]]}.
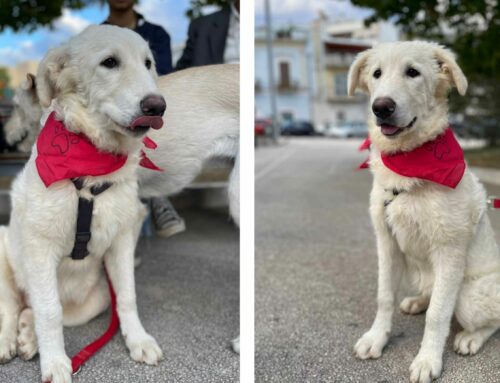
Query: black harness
{"points": [[84, 218], [395, 193]]}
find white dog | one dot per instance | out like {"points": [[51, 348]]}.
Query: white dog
{"points": [[438, 237], [100, 95], [99, 87], [23, 126]]}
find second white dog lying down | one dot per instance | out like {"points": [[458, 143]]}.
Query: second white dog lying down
{"points": [[100, 94], [22, 128]]}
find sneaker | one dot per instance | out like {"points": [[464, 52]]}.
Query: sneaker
{"points": [[166, 220]]}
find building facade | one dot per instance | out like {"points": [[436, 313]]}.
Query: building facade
{"points": [[292, 74], [17, 74]]}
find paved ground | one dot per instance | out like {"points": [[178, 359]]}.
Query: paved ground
{"points": [[316, 274], [188, 296]]}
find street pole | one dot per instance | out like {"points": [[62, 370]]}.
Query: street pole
{"points": [[270, 68]]}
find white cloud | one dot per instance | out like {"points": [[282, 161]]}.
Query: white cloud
{"points": [[70, 23], [303, 11], [33, 49], [12, 55]]}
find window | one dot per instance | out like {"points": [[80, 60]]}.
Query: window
{"points": [[284, 74], [287, 115], [341, 84]]}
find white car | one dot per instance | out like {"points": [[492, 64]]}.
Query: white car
{"points": [[347, 130]]}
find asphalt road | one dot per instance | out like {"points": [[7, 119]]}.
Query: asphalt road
{"points": [[188, 298], [316, 274]]}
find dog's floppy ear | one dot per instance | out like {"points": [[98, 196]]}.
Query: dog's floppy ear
{"points": [[48, 72], [449, 67], [354, 79]]}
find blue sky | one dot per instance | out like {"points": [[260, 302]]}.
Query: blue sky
{"points": [[304, 11], [18, 47]]}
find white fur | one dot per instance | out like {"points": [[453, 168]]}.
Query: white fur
{"points": [[436, 238]]}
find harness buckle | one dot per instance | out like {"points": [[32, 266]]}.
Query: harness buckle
{"points": [[82, 238], [493, 202]]}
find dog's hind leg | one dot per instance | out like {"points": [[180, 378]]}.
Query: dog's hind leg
{"points": [[478, 312], [469, 343], [97, 301], [10, 302], [27, 345], [415, 305]]}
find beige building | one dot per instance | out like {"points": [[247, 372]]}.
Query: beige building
{"points": [[18, 73]]}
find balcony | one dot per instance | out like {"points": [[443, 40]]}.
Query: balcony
{"points": [[345, 99], [287, 87], [339, 60]]}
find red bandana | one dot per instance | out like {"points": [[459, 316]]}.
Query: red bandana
{"points": [[440, 161], [66, 155]]}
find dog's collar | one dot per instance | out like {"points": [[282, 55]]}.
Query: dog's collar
{"points": [[440, 160]]}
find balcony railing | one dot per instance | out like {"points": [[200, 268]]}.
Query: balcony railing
{"points": [[288, 87], [339, 60]]}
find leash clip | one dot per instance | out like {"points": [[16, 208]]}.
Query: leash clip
{"points": [[493, 202], [77, 371]]}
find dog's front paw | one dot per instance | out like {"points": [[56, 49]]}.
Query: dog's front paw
{"points": [[144, 349], [371, 344], [8, 349], [425, 368], [56, 370]]}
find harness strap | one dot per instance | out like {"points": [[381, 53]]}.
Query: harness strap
{"points": [[395, 193], [84, 218]]}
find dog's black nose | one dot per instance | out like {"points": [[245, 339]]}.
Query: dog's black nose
{"points": [[383, 107], [153, 105]]}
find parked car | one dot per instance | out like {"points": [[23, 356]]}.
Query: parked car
{"points": [[347, 130], [297, 128], [263, 127]]}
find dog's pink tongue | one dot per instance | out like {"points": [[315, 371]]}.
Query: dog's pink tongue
{"points": [[389, 130], [156, 122]]}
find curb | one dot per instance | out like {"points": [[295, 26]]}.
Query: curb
{"points": [[487, 175]]}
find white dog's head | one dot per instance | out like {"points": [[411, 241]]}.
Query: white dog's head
{"points": [[102, 80], [408, 83]]}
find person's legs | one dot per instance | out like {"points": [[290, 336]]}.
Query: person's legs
{"points": [[166, 220]]}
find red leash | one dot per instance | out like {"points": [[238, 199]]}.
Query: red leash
{"points": [[79, 359]]}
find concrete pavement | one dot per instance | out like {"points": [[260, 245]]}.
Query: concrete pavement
{"points": [[316, 274], [188, 298]]}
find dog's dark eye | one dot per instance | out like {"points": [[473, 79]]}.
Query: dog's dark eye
{"points": [[148, 63], [412, 72], [377, 73], [110, 63]]}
